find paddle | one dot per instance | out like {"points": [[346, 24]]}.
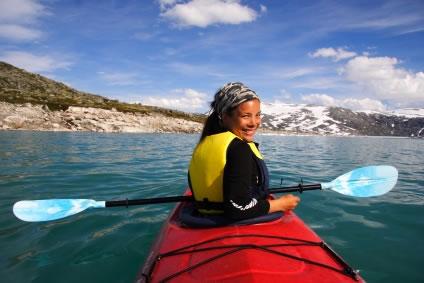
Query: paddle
{"points": [[362, 182]]}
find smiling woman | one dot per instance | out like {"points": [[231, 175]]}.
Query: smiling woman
{"points": [[227, 173]]}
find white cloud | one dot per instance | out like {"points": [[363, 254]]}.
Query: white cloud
{"points": [[284, 95], [411, 30], [383, 21], [34, 63], [390, 17], [18, 17], [382, 78], [337, 54], [264, 9], [22, 11], [295, 72], [350, 103], [120, 78], [166, 3], [319, 99], [363, 104], [188, 100], [19, 32], [378, 77], [202, 13]]}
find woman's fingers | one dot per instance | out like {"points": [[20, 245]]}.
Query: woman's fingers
{"points": [[289, 202]]}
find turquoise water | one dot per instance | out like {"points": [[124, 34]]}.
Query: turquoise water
{"points": [[383, 237]]}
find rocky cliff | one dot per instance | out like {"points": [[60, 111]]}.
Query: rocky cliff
{"points": [[32, 102], [41, 118]]}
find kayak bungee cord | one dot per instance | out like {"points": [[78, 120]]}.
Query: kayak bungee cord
{"points": [[241, 236], [347, 269]]}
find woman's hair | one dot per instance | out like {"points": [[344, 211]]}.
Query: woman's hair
{"points": [[226, 99], [213, 125]]}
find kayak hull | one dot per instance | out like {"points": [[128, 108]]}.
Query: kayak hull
{"points": [[283, 250]]}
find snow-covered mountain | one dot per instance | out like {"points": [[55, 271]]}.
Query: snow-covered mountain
{"points": [[309, 119]]}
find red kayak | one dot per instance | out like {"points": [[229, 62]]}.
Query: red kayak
{"points": [[284, 249]]}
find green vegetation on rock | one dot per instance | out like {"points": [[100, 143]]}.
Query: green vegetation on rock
{"points": [[19, 86]]}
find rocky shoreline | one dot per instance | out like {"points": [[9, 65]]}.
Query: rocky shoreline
{"points": [[41, 118]]}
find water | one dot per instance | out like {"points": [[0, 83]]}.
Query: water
{"points": [[383, 237]]}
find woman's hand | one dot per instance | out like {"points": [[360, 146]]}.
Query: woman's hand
{"points": [[284, 203]]}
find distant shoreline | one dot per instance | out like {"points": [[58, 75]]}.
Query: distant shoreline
{"points": [[29, 117], [198, 133], [87, 119]]}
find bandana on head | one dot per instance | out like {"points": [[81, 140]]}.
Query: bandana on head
{"points": [[231, 95]]}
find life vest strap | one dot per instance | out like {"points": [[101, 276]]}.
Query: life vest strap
{"points": [[209, 205]]}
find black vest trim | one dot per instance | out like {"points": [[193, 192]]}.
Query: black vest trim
{"points": [[190, 217]]}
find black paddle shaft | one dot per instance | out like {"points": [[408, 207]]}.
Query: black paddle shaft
{"points": [[127, 202], [299, 188]]}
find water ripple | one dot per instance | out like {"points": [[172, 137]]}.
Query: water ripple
{"points": [[38, 165]]}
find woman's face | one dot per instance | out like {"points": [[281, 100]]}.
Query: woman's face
{"points": [[244, 120]]}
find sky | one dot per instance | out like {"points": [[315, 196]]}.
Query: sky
{"points": [[362, 55]]}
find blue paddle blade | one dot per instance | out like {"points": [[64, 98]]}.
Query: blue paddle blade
{"points": [[52, 209], [365, 182]]}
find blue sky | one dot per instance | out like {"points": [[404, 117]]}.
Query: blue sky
{"points": [[356, 54]]}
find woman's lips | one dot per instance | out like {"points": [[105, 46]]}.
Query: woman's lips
{"points": [[249, 132]]}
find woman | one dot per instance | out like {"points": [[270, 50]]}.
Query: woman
{"points": [[227, 173]]}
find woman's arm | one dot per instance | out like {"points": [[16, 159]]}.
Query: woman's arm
{"points": [[239, 174]]}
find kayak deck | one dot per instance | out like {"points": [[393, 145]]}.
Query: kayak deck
{"points": [[283, 250]]}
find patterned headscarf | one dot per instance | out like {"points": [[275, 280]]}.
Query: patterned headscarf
{"points": [[231, 95]]}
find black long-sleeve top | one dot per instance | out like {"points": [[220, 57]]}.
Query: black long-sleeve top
{"points": [[241, 178]]}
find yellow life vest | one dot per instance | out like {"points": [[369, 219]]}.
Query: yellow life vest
{"points": [[206, 169]]}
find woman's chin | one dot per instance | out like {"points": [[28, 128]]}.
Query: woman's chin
{"points": [[248, 137]]}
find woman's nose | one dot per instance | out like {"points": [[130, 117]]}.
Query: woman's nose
{"points": [[254, 121]]}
